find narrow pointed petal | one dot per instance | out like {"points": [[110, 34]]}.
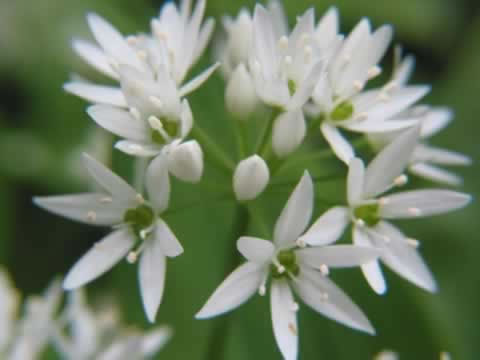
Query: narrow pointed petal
{"points": [[435, 174], [108, 180], [424, 153], [169, 243], [284, 319], [119, 122], [404, 72], [95, 57], [327, 28], [186, 118], [100, 258], [435, 121], [296, 214], [326, 298], [154, 340], [256, 250], [236, 289], [337, 255], [204, 38], [355, 181], [93, 209], [137, 149], [305, 91], [328, 228], [151, 276], [289, 130], [157, 182], [372, 271], [419, 203], [337, 142], [404, 259], [380, 126], [390, 163], [112, 41], [197, 81], [97, 94]]}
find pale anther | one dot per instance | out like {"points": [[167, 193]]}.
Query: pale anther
{"points": [[135, 113], [362, 116], [295, 307], [155, 123], [132, 257], [283, 43], [156, 101], [281, 269], [262, 290], [132, 40], [358, 85], [324, 270], [360, 222], [415, 211], [301, 243], [91, 216], [106, 200], [392, 85], [373, 72], [383, 201], [401, 180], [413, 243], [140, 199]]}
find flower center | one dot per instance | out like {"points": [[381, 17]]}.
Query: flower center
{"points": [[368, 213], [167, 128], [342, 111], [288, 260], [292, 87], [139, 218]]}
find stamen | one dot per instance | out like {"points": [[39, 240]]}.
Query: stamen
{"points": [[414, 211], [283, 43], [295, 307], [155, 100], [384, 97], [392, 85], [135, 113], [132, 257], [361, 116], [281, 269], [144, 233], [373, 72], [106, 200], [288, 60], [401, 180], [292, 328], [262, 290], [91, 216], [413, 242], [155, 123], [305, 37], [308, 51], [324, 270], [360, 222], [383, 201], [132, 40], [140, 199], [358, 85], [301, 244]]}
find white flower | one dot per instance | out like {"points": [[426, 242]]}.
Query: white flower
{"points": [[369, 211], [339, 99], [426, 158], [292, 266], [100, 335], [387, 355], [138, 229], [240, 97], [9, 303], [250, 178]]}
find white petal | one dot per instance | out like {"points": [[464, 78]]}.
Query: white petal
{"points": [[100, 258], [237, 288], [284, 319], [390, 163], [240, 96], [137, 149], [305, 91], [404, 72], [197, 81], [151, 275], [112, 41], [97, 94], [264, 46], [296, 214], [327, 28], [157, 182], [380, 126], [337, 255], [435, 174], [256, 250], [419, 203], [185, 161], [371, 271], [119, 122], [94, 56], [108, 180], [328, 228], [186, 118], [404, 259], [155, 339], [355, 181], [168, 242], [430, 154], [204, 38], [250, 178], [289, 130], [337, 142], [328, 299], [93, 209], [436, 120]]}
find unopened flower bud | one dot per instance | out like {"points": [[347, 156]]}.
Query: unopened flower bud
{"points": [[185, 161], [240, 96], [250, 178], [288, 132]]}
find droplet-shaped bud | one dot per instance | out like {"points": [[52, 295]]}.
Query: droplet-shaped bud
{"points": [[240, 96], [250, 178], [185, 161], [289, 131]]}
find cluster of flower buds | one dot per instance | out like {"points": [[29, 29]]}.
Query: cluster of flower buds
{"points": [[77, 332], [313, 81]]}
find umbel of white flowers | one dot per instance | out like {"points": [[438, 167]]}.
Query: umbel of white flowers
{"points": [[138, 229], [288, 265], [92, 334]]}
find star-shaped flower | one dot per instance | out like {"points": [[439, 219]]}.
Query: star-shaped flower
{"points": [[292, 266], [136, 225], [369, 211]]}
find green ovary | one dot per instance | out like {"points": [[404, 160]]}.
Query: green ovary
{"points": [[342, 111], [139, 218], [368, 213], [288, 260], [170, 127], [292, 87]]}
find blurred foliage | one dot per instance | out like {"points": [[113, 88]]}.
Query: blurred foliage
{"points": [[42, 131]]}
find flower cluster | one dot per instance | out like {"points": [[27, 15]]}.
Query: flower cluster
{"points": [[313, 80], [77, 332]]}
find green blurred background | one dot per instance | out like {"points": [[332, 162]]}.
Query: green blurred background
{"points": [[43, 130]]}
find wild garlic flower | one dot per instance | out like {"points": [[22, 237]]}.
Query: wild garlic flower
{"points": [[369, 211], [85, 334], [10, 301], [426, 159], [305, 269], [138, 229]]}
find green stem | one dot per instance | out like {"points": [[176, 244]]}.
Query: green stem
{"points": [[265, 140], [213, 151], [240, 136], [140, 168], [183, 207], [216, 348], [304, 159], [316, 179]]}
